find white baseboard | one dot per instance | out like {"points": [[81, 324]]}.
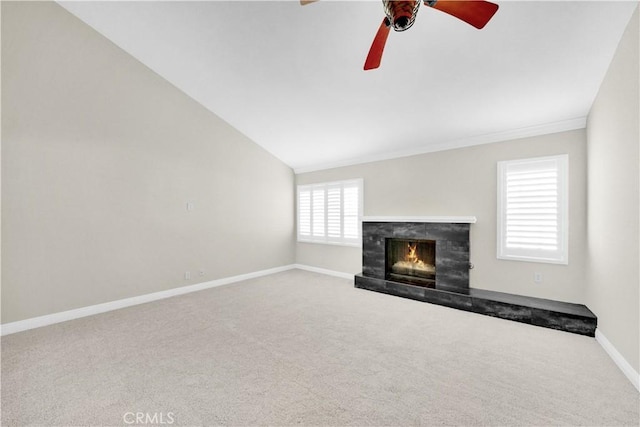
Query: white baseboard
{"points": [[63, 316], [619, 360], [324, 271]]}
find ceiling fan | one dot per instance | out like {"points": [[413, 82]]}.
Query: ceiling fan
{"points": [[401, 14]]}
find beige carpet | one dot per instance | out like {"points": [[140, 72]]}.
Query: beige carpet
{"points": [[303, 348]]}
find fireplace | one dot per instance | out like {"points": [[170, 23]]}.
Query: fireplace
{"points": [[416, 254], [427, 259], [411, 261]]}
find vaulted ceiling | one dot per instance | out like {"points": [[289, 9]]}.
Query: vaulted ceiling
{"points": [[291, 77]]}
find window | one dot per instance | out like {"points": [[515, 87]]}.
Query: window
{"points": [[533, 209], [330, 212]]}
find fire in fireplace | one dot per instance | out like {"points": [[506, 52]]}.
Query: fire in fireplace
{"points": [[411, 261]]}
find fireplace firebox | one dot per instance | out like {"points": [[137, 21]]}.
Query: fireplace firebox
{"points": [[411, 261]]}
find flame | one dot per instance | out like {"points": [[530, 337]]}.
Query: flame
{"points": [[412, 265], [412, 257]]}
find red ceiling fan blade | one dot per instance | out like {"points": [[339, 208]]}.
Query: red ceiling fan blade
{"points": [[473, 12], [377, 47]]}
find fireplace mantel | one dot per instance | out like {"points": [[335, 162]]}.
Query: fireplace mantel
{"points": [[433, 219]]}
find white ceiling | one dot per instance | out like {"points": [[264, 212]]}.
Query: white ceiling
{"points": [[291, 78]]}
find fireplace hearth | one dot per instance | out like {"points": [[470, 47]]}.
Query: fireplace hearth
{"points": [[427, 259]]}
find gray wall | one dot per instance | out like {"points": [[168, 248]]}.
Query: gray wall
{"points": [[613, 277], [463, 182], [99, 158]]}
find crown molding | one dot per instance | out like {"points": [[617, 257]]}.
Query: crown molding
{"points": [[526, 132]]}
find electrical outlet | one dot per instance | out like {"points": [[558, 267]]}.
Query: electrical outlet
{"points": [[201, 273], [190, 206], [187, 275], [537, 277]]}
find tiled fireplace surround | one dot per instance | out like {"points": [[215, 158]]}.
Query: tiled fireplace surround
{"points": [[451, 235]]}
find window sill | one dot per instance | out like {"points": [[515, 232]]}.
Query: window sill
{"points": [[353, 245], [531, 259]]}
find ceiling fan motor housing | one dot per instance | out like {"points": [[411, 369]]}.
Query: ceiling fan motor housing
{"points": [[401, 13]]}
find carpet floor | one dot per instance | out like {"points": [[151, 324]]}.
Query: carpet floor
{"points": [[304, 348]]}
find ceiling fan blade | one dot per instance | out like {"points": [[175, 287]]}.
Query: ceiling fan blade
{"points": [[473, 12], [303, 2], [377, 47]]}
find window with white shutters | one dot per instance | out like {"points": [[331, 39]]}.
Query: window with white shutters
{"points": [[330, 212], [533, 209]]}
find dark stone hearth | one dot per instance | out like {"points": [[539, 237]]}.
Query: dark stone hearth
{"points": [[406, 291], [502, 310], [584, 325], [452, 278], [449, 299], [563, 316]]}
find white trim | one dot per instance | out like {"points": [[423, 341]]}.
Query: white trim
{"points": [[619, 360], [544, 129], [324, 271], [356, 244], [63, 316], [448, 219]]}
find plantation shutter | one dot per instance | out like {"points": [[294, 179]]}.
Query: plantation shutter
{"points": [[351, 211], [533, 209], [304, 213], [334, 211], [330, 212], [317, 212]]}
